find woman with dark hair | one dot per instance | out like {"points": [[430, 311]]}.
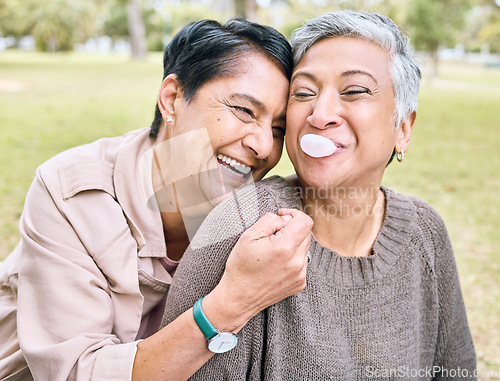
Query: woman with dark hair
{"points": [[383, 298], [105, 224]]}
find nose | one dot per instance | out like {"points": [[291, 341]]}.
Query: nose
{"points": [[326, 112], [259, 141]]}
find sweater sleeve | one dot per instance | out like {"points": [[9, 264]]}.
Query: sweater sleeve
{"points": [[455, 354], [201, 269]]}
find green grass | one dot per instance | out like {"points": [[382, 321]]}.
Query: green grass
{"points": [[52, 102], [49, 103], [453, 163]]}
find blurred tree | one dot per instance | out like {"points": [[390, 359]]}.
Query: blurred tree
{"points": [[56, 25], [177, 14], [9, 24], [395, 9], [246, 9], [156, 28], [115, 22], [116, 25], [287, 15], [4, 13], [490, 30], [137, 31], [433, 23], [125, 19]]}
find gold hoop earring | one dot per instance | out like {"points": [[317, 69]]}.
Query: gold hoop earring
{"points": [[400, 156]]}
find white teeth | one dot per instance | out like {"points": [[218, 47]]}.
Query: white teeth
{"points": [[242, 168]]}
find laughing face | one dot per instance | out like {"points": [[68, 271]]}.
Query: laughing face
{"points": [[342, 90], [230, 133]]}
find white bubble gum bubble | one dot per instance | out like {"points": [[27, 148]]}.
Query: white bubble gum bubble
{"points": [[317, 146]]}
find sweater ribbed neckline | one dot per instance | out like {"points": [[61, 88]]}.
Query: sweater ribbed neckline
{"points": [[356, 272]]}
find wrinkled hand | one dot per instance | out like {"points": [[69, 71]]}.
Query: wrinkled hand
{"points": [[268, 263]]}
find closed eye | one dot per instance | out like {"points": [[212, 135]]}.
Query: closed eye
{"points": [[356, 91], [245, 110], [302, 95]]}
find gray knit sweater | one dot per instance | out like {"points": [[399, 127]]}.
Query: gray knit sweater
{"points": [[395, 315]]}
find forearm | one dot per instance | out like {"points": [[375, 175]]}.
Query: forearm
{"points": [[267, 264], [179, 349]]}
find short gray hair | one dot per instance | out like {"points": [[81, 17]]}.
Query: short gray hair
{"points": [[375, 28]]}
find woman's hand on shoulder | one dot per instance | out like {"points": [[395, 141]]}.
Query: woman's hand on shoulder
{"points": [[267, 264]]}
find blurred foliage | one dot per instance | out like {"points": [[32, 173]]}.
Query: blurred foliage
{"points": [[434, 23], [59, 24], [56, 25], [490, 30]]}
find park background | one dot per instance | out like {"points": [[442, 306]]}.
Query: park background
{"points": [[72, 71]]}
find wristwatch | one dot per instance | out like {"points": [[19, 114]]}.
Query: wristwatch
{"points": [[218, 342]]}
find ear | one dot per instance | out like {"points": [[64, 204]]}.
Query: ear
{"points": [[404, 131], [169, 92]]}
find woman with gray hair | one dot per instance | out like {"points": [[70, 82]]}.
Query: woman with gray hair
{"points": [[383, 298]]}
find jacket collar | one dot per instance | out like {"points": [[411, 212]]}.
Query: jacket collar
{"points": [[132, 176]]}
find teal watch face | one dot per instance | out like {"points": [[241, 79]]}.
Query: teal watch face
{"points": [[222, 342]]}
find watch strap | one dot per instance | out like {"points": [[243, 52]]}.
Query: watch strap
{"points": [[203, 323]]}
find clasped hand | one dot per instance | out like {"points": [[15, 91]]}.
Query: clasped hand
{"points": [[268, 263]]}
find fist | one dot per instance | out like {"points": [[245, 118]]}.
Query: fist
{"points": [[269, 261]]}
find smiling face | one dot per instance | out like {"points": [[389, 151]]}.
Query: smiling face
{"points": [[243, 119], [342, 90]]}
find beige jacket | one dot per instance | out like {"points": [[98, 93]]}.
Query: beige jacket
{"points": [[86, 270]]}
